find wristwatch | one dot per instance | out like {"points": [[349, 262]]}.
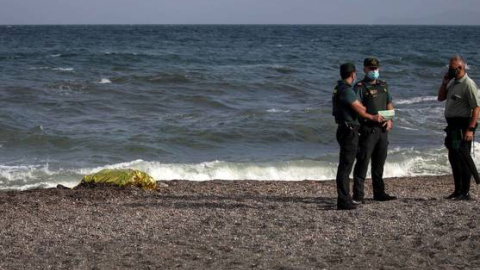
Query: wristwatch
{"points": [[471, 129]]}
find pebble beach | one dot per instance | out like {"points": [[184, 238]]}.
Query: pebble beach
{"points": [[239, 225]]}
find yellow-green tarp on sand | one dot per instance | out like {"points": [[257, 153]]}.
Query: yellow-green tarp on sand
{"points": [[121, 178]]}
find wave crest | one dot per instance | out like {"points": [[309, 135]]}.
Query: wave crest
{"points": [[416, 100], [401, 163]]}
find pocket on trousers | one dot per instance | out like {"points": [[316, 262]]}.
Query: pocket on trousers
{"points": [[454, 139], [343, 134], [350, 141]]}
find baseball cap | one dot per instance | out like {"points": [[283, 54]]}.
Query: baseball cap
{"points": [[347, 68], [371, 62]]}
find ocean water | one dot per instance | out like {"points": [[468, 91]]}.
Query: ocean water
{"points": [[211, 101]]}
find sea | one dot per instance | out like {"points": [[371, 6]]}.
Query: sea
{"points": [[205, 102]]}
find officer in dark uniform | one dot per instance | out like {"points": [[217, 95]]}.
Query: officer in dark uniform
{"points": [[373, 144], [346, 109]]}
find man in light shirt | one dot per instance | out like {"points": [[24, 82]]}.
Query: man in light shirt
{"points": [[461, 112]]}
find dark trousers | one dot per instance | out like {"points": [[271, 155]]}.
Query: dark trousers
{"points": [[373, 145], [347, 137], [457, 148]]}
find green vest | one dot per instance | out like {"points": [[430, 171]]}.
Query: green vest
{"points": [[373, 96]]}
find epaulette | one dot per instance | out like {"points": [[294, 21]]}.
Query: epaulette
{"points": [[359, 84], [380, 82]]}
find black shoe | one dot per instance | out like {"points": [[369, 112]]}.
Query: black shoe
{"points": [[348, 206], [358, 201], [463, 197], [384, 197], [452, 196]]}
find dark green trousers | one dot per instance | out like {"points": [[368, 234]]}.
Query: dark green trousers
{"points": [[458, 149], [373, 146], [347, 137]]}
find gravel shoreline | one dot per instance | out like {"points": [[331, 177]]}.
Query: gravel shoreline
{"points": [[239, 225]]}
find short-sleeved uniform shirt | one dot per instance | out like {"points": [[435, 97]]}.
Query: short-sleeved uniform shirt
{"points": [[345, 96], [462, 97]]}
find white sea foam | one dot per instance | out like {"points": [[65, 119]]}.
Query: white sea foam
{"points": [[416, 100], [105, 81], [123, 165], [63, 69], [408, 128], [278, 111], [23, 173], [39, 68], [289, 170], [66, 69], [400, 163], [32, 186], [34, 176]]}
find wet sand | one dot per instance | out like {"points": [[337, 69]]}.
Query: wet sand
{"points": [[239, 225]]}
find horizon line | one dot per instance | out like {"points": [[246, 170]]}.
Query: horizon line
{"points": [[232, 24]]}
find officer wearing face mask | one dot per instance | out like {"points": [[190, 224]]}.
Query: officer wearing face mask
{"points": [[373, 143], [461, 112], [346, 110]]}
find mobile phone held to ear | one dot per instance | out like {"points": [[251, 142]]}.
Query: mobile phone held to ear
{"points": [[452, 73], [447, 76]]}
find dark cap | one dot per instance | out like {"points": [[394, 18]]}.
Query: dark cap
{"points": [[347, 68], [371, 62]]}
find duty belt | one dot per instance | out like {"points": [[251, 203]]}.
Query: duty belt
{"points": [[368, 123], [349, 125]]}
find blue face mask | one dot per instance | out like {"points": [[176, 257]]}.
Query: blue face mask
{"points": [[373, 74]]}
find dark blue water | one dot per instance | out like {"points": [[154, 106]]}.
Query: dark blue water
{"points": [[210, 102]]}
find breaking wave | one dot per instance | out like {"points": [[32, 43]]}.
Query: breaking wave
{"points": [[401, 163]]}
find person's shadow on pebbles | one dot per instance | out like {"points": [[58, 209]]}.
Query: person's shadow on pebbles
{"points": [[237, 201]]}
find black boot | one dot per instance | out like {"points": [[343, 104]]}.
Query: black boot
{"points": [[383, 197], [453, 195], [463, 197], [346, 206]]}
